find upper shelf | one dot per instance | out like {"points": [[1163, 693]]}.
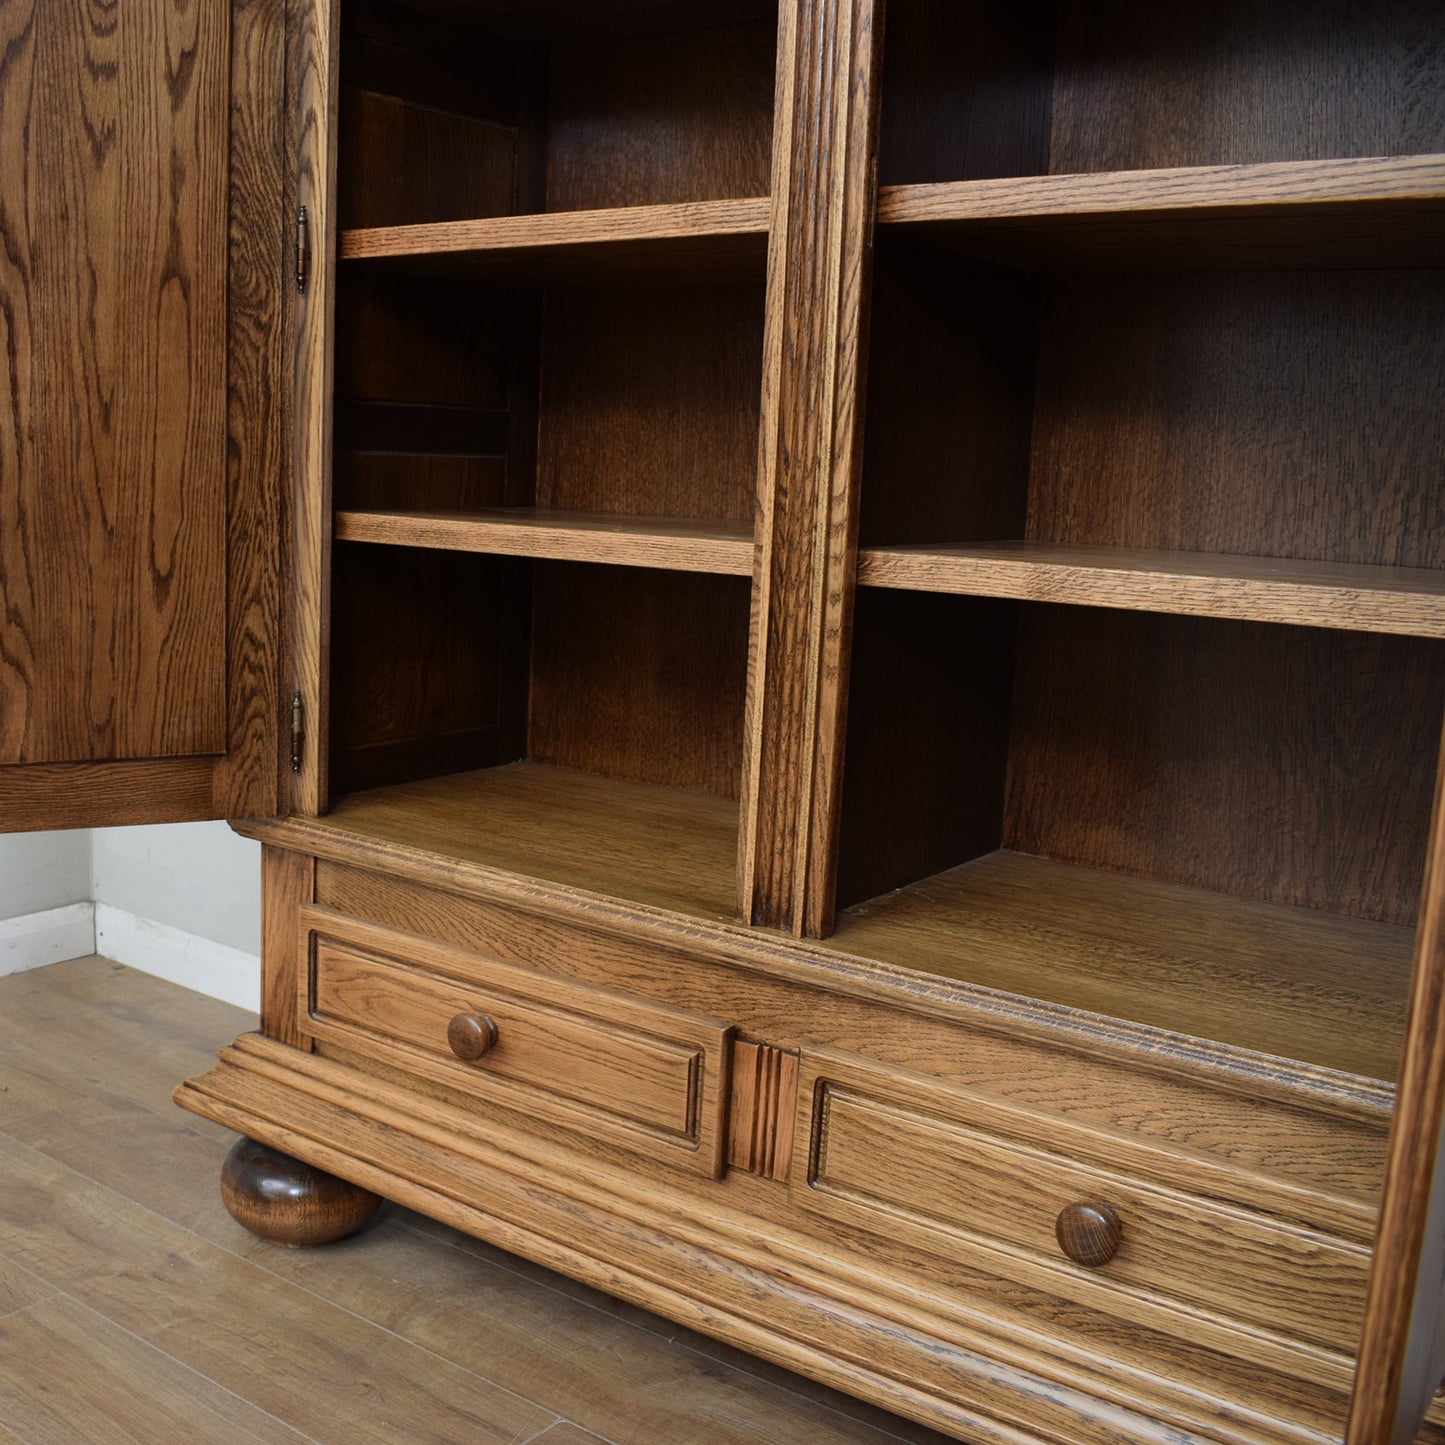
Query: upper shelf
{"points": [[688, 240], [1387, 211], [673, 544], [1406, 601]]}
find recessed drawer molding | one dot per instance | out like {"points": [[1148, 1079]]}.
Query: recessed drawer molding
{"points": [[910, 1162], [619, 1069]]}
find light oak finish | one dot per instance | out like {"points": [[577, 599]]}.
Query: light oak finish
{"points": [[1361, 211], [917, 1159], [142, 498], [147, 1268], [1293, 983], [764, 1097], [313, 42], [1077, 1129], [1400, 1355], [1406, 601], [691, 238], [603, 1064], [815, 355], [288, 883], [574, 828], [670, 543]]}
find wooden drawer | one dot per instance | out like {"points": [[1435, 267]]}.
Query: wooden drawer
{"points": [[937, 1168], [616, 1068]]}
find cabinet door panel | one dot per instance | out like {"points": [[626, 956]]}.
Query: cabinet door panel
{"points": [[139, 629]]}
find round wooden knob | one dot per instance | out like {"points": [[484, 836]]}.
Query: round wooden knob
{"points": [[471, 1036], [1089, 1233]]}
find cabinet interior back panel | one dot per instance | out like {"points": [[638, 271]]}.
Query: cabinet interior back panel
{"points": [[113, 381], [1285, 414], [641, 121], [650, 400], [1289, 764], [640, 674], [1139, 85]]}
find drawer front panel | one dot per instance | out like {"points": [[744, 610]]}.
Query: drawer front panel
{"points": [[908, 1161], [618, 1068]]}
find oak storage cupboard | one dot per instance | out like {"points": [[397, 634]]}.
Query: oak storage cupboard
{"points": [[837, 620]]}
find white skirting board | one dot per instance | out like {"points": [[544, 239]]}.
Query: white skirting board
{"points": [[51, 936], [211, 968]]}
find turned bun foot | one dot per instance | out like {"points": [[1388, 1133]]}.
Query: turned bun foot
{"points": [[289, 1203]]}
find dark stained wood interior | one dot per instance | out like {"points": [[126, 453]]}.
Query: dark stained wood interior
{"points": [[1035, 88], [640, 674], [448, 115], [1287, 764]]}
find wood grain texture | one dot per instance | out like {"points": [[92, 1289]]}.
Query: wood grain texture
{"points": [[113, 461], [1136, 86], [760, 1115], [87, 795], [1405, 601], [879, 1147], [691, 238], [1287, 982], [288, 1203], [1376, 211], [1280, 763], [1280, 415], [68, 1373], [819, 272], [639, 674], [1170, 1108], [673, 849], [249, 777], [425, 671], [638, 1236], [666, 543], [602, 1363], [1400, 1350], [656, 119], [604, 1064], [313, 41], [636, 416], [288, 883]]}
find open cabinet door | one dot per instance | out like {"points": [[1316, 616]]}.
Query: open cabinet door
{"points": [[1402, 1352], [142, 471]]}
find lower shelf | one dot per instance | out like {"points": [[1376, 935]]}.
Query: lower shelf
{"points": [[1312, 987], [661, 847]]}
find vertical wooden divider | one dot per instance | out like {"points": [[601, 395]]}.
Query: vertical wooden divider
{"points": [[819, 271], [313, 47], [288, 883], [1402, 1348]]}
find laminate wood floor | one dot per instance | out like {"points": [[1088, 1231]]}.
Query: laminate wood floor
{"points": [[132, 1307]]}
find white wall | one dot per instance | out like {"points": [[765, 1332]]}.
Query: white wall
{"points": [[45, 909], [43, 870], [182, 902]]}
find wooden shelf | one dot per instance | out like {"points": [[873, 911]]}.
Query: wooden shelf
{"points": [[1406, 601], [661, 847], [1386, 211], [1298, 984], [701, 238], [673, 544]]}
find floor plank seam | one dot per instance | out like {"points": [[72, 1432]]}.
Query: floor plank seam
{"points": [[670, 1339], [278, 1279], [165, 1354]]}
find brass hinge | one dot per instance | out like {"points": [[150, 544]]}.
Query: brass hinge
{"points": [[298, 730], [303, 248]]}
